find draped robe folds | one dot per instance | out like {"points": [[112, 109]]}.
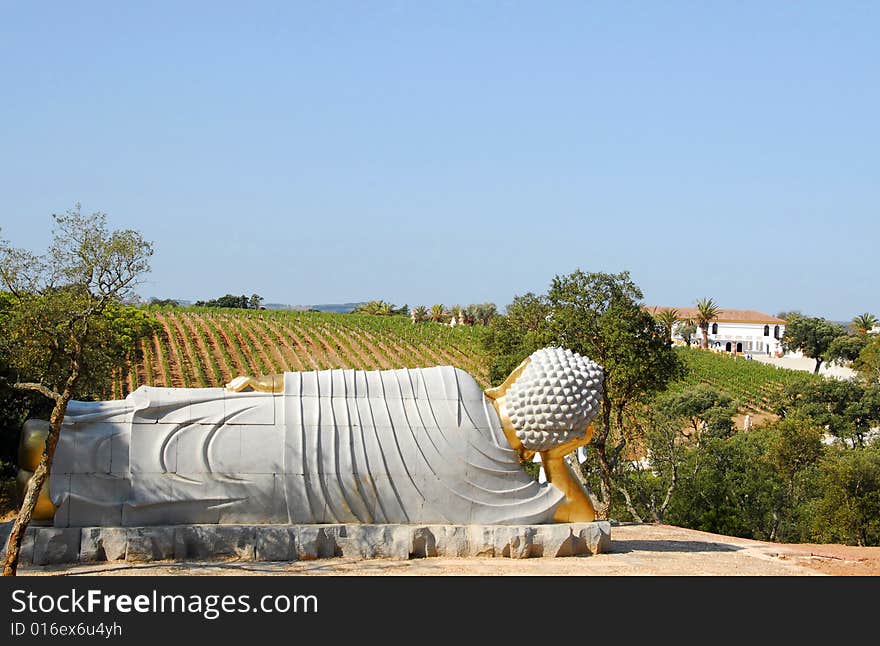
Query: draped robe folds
{"points": [[336, 446]]}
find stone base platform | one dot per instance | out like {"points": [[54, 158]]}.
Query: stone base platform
{"points": [[50, 545]]}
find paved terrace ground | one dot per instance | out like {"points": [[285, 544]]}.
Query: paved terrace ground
{"points": [[640, 550]]}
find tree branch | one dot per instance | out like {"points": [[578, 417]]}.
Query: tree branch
{"points": [[628, 502], [40, 388]]}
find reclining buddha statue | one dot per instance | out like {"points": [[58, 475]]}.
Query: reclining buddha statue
{"points": [[423, 445]]}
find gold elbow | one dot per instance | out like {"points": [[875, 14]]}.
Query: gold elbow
{"points": [[32, 443], [44, 510], [30, 452], [262, 384]]}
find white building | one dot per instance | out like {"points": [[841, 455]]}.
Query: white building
{"points": [[740, 331]]}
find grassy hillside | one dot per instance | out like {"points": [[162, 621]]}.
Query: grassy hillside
{"points": [[204, 347], [752, 383]]}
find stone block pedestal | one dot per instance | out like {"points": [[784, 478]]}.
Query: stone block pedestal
{"points": [[51, 545]]}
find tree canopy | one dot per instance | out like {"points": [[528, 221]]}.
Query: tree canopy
{"points": [[707, 311], [811, 335], [244, 302], [846, 349], [600, 316], [667, 318], [64, 325], [867, 364], [864, 323]]}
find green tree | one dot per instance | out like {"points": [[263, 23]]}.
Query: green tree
{"points": [[846, 349], [482, 313], [864, 323], [600, 316], [419, 314], [845, 409], [848, 507], [227, 300], [438, 313], [755, 485], [702, 408], [15, 405], [868, 362], [707, 311], [515, 335], [811, 335], [728, 486], [649, 484], [57, 335], [667, 318], [687, 330], [164, 302], [671, 427], [255, 302], [375, 308], [797, 445]]}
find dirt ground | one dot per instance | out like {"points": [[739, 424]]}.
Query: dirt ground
{"points": [[759, 418], [641, 550]]}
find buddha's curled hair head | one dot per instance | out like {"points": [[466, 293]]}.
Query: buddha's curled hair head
{"points": [[554, 399]]}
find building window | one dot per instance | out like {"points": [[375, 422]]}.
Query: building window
{"points": [[714, 328], [766, 330], [775, 331]]}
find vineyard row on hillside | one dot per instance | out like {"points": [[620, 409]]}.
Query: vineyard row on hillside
{"points": [[206, 347], [753, 384]]}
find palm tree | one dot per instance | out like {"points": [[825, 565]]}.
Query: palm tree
{"points": [[864, 323], [667, 318], [707, 311], [419, 314], [438, 313], [375, 308]]}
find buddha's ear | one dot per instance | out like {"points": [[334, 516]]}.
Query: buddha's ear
{"points": [[498, 391]]}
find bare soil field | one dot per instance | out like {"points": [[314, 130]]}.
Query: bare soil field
{"points": [[637, 550]]}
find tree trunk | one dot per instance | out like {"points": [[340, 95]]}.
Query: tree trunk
{"points": [[630, 507], [604, 508], [599, 445], [661, 511], [40, 477], [705, 338], [816, 369]]}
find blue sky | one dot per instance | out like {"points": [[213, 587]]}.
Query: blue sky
{"points": [[457, 152]]}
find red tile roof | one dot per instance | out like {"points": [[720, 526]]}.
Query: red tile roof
{"points": [[724, 315]]}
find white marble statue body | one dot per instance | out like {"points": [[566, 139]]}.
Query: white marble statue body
{"points": [[418, 445], [395, 446]]}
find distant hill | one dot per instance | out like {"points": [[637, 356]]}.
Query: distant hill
{"points": [[285, 307], [337, 308]]}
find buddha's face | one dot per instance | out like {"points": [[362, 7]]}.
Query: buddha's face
{"points": [[554, 399]]}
